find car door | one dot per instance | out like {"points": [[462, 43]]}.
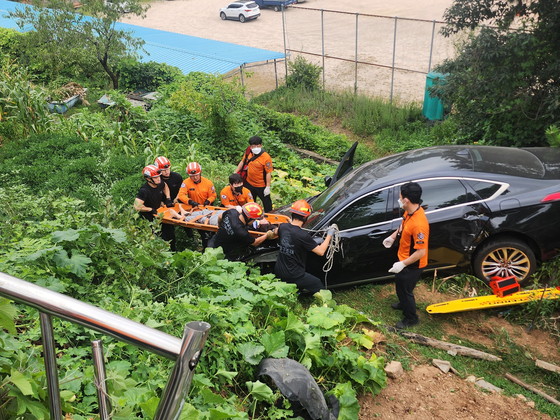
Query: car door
{"points": [[457, 218], [363, 225], [232, 10], [345, 166]]}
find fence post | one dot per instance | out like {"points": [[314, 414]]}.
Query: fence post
{"points": [[242, 82], [51, 370], [432, 46], [275, 73], [285, 55], [393, 66], [323, 45], [100, 380], [177, 388], [356, 64]]}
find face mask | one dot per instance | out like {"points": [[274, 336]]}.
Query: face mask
{"points": [[238, 189], [401, 204], [256, 150]]}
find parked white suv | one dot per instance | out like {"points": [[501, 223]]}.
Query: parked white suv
{"points": [[242, 10]]}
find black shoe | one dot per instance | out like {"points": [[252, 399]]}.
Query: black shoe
{"points": [[405, 323], [396, 306]]}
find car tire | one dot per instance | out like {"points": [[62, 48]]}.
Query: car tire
{"points": [[242, 18], [276, 8], [505, 257], [223, 16]]}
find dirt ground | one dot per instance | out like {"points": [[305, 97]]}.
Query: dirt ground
{"points": [[427, 393], [375, 37]]}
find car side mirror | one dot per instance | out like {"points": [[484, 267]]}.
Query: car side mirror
{"points": [[328, 181]]}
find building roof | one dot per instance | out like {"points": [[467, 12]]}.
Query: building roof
{"points": [[188, 53]]}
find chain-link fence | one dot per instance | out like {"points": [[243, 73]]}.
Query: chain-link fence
{"points": [[368, 54]]}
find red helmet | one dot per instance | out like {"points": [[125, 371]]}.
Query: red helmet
{"points": [[193, 168], [253, 211], [162, 162], [151, 171], [301, 207]]}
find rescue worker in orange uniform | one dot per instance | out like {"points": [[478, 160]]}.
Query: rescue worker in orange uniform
{"points": [[235, 194], [413, 232], [196, 190], [257, 164]]}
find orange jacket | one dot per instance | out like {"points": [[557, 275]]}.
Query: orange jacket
{"points": [[200, 192], [230, 199], [257, 169]]}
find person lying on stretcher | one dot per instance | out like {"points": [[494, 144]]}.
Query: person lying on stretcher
{"points": [[214, 218]]}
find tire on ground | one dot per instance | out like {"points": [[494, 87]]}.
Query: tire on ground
{"points": [[504, 257]]}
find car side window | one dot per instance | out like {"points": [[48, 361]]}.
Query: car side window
{"points": [[366, 211], [442, 193], [233, 6], [484, 189]]}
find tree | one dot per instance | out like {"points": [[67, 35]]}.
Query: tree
{"points": [[505, 82], [86, 38]]}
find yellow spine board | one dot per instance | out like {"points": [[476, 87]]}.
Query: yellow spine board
{"points": [[272, 218], [485, 302]]}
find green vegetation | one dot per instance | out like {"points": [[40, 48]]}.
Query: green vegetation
{"points": [[67, 223], [503, 83]]}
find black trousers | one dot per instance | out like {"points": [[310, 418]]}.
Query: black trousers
{"points": [[405, 282], [168, 234], [308, 282], [259, 192]]}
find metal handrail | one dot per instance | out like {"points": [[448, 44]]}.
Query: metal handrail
{"points": [[185, 352]]}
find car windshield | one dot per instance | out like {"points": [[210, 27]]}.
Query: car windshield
{"points": [[357, 180]]}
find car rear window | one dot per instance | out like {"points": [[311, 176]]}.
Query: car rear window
{"points": [[252, 5], [507, 161]]}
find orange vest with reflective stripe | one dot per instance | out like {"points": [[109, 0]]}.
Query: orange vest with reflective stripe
{"points": [[200, 192]]}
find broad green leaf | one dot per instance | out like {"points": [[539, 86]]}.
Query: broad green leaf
{"points": [[251, 352], [69, 235], [312, 342], [150, 406], [7, 314], [228, 375], [201, 380], [125, 414], [52, 283], [324, 317], [349, 407], [210, 397], [117, 234], [294, 324], [145, 260], [323, 295], [38, 254], [77, 264], [189, 413], [154, 324], [23, 383], [218, 414], [260, 391], [362, 340], [275, 344]]}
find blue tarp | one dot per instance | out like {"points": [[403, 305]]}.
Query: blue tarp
{"points": [[188, 53]]}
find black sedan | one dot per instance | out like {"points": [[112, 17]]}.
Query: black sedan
{"points": [[492, 210]]}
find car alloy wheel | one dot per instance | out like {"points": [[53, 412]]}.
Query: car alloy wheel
{"points": [[503, 258], [223, 16], [241, 18]]}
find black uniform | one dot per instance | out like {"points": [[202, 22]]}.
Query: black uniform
{"points": [[153, 197], [231, 234], [174, 184], [294, 244]]}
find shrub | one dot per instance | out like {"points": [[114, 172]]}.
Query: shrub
{"points": [[134, 75], [304, 74]]}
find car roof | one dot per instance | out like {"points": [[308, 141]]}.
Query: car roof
{"points": [[467, 160]]}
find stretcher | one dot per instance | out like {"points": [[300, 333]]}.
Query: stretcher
{"points": [[168, 219], [493, 301]]}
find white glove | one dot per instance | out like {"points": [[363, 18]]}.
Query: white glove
{"points": [[388, 242], [239, 209], [266, 191], [397, 267]]}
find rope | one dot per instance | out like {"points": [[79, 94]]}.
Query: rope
{"points": [[334, 246]]}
